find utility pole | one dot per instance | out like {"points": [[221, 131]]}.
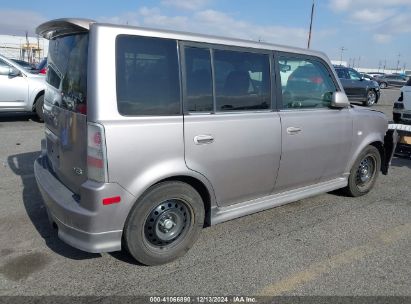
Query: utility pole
{"points": [[385, 64], [358, 64], [342, 49], [27, 47], [404, 67], [311, 25], [398, 62], [379, 66]]}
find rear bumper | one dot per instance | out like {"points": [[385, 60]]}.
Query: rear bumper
{"points": [[401, 114], [83, 222]]}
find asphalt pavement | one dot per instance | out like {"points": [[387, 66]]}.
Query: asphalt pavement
{"points": [[326, 245]]}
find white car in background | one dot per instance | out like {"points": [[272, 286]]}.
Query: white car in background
{"points": [[20, 90], [402, 108]]}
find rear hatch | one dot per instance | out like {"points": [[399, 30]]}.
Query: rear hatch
{"points": [[65, 108]]}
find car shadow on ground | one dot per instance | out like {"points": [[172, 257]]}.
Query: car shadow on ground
{"points": [[401, 161], [8, 117], [22, 165]]}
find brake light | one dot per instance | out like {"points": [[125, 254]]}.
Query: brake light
{"points": [[96, 153], [43, 71], [316, 80]]}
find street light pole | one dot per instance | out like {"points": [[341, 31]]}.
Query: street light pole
{"points": [[342, 50], [398, 62]]}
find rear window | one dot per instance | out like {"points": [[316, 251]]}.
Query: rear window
{"points": [[147, 76], [67, 72]]}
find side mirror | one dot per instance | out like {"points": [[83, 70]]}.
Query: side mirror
{"points": [[13, 72], [339, 100]]}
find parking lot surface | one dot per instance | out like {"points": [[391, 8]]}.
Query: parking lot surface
{"points": [[326, 245]]}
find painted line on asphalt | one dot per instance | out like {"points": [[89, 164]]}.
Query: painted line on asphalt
{"points": [[326, 266]]}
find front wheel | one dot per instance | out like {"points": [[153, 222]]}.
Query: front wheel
{"points": [[364, 172], [383, 85], [164, 223]]}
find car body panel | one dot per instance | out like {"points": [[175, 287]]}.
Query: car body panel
{"points": [[252, 164], [319, 152]]}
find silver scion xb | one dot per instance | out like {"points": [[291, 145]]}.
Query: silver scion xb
{"points": [[151, 135]]}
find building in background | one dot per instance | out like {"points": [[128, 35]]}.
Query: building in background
{"points": [[30, 49]]}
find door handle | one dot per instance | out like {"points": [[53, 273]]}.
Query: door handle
{"points": [[293, 130], [203, 139]]}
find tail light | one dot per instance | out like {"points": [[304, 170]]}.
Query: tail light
{"points": [[96, 153], [43, 71]]}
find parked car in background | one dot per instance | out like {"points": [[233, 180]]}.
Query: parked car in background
{"points": [[402, 108], [376, 74], [212, 139], [382, 82], [357, 88], [396, 80], [28, 66], [42, 66], [20, 90]]}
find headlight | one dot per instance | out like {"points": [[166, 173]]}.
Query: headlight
{"points": [[376, 83]]}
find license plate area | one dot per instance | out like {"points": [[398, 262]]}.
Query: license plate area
{"points": [[52, 147]]}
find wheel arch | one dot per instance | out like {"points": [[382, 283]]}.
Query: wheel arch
{"points": [[39, 93], [204, 188], [375, 142]]}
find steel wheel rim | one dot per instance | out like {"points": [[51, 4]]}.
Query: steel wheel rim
{"points": [[371, 97], [166, 223], [366, 172]]}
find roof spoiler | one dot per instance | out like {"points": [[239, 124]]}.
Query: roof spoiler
{"points": [[65, 26]]}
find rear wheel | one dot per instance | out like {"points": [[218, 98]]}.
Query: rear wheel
{"points": [[164, 223], [383, 85], [39, 107], [364, 172], [371, 98]]}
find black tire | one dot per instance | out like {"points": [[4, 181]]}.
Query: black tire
{"points": [[145, 235], [371, 98], [39, 107], [396, 117], [359, 183], [383, 85]]}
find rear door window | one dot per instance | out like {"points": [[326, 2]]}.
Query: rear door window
{"points": [[147, 75], [67, 60], [242, 81], [199, 87]]}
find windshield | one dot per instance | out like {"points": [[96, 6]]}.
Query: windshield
{"points": [[67, 71]]}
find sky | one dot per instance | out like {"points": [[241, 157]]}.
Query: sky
{"points": [[372, 31]]}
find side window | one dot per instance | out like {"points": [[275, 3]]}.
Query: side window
{"points": [[198, 80], [147, 76], [340, 73], [354, 75], [4, 68], [242, 81], [305, 84]]}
